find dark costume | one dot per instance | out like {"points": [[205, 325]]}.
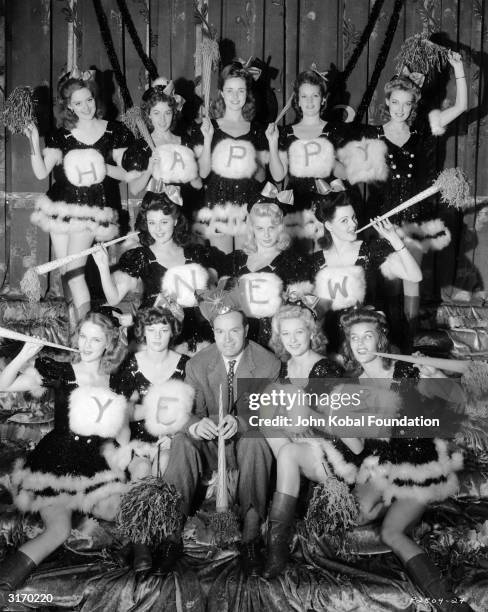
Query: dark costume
{"points": [[82, 197], [68, 466]]}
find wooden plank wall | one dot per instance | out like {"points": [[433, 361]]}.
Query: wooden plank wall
{"points": [[293, 33]]}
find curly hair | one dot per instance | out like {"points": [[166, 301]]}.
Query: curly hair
{"points": [[116, 347], [161, 202], [401, 83], [273, 211], [66, 116], [364, 314], [307, 77], [318, 341], [234, 71], [325, 208], [151, 316], [150, 98]]}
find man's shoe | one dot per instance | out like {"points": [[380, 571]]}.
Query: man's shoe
{"points": [[167, 556], [251, 557]]}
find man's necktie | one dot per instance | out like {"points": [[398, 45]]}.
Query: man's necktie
{"points": [[230, 387]]}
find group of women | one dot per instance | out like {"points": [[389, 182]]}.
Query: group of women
{"points": [[303, 242]]}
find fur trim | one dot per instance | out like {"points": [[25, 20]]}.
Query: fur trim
{"points": [[437, 235], [294, 224], [263, 157], [229, 219], [371, 469], [84, 167], [63, 218], [311, 158], [344, 287], [436, 127], [33, 374], [434, 492], [117, 457], [234, 159], [386, 267], [364, 160], [97, 411], [53, 153], [182, 282], [261, 293], [177, 165], [168, 407], [342, 468], [298, 290], [312, 228], [442, 466]]}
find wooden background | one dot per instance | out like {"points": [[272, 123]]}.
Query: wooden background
{"points": [[293, 33]]}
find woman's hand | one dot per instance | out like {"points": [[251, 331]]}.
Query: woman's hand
{"points": [[427, 371], [456, 62], [272, 134], [30, 349], [100, 256], [388, 231], [207, 129], [32, 132], [154, 161]]}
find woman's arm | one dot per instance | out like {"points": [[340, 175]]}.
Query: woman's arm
{"points": [[117, 285], [10, 380], [119, 174], [461, 104], [41, 165], [205, 158], [402, 263], [276, 166]]}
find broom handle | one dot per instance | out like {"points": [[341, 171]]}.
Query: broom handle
{"points": [[221, 501], [57, 263], [13, 335], [142, 127], [451, 365], [426, 193], [284, 110]]}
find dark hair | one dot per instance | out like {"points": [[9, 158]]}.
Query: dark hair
{"points": [[116, 348], [150, 316], [401, 83], [364, 314], [235, 71], [67, 117], [160, 201], [150, 98], [245, 320], [325, 208], [308, 77]]}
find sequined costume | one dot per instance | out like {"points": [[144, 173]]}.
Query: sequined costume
{"points": [[68, 466], [82, 196], [231, 184]]}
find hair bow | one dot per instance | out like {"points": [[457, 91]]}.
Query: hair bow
{"points": [[168, 88], [271, 195], [416, 77], [167, 302], [118, 319], [76, 73], [323, 75], [220, 300], [324, 188], [253, 71], [173, 193]]}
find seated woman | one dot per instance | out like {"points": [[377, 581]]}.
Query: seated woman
{"points": [[165, 246], [266, 258], [67, 470], [345, 268], [155, 329], [401, 476]]}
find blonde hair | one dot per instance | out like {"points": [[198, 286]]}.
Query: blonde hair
{"points": [[318, 341], [272, 211]]}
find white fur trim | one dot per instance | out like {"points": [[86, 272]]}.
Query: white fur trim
{"points": [[347, 471], [386, 266], [117, 457], [97, 411], [38, 390], [430, 229], [299, 289], [294, 224], [344, 286], [182, 282], [234, 159], [311, 158], [364, 160], [84, 167], [177, 165], [312, 227], [436, 127], [168, 407], [371, 469], [229, 219], [434, 492], [261, 293], [50, 153]]}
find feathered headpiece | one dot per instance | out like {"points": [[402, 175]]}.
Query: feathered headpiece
{"points": [[218, 301]]}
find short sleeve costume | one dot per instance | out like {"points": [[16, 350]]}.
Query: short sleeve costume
{"points": [[67, 466], [82, 196], [231, 184]]}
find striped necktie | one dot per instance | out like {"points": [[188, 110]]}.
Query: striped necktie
{"points": [[230, 386]]}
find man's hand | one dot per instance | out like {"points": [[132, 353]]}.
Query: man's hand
{"points": [[229, 426], [206, 429]]}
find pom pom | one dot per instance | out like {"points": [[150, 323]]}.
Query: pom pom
{"points": [[168, 407], [311, 158], [333, 511], [84, 167], [421, 55], [182, 282], [234, 159], [97, 411], [177, 164], [31, 286], [131, 119], [261, 294], [150, 512], [475, 379], [18, 111], [364, 160], [454, 188], [224, 526], [435, 123], [344, 287]]}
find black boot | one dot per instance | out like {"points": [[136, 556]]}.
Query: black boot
{"points": [[281, 518], [429, 578], [14, 570], [142, 558], [168, 555]]}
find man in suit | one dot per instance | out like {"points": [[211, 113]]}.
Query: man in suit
{"points": [[230, 363]]}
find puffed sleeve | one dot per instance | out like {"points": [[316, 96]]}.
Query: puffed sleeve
{"points": [[283, 138], [51, 372], [379, 251], [136, 156], [53, 146], [195, 139], [122, 136], [133, 262], [122, 381]]}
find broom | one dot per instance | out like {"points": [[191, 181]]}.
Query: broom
{"points": [[132, 118], [13, 335], [18, 111], [421, 55], [30, 284], [454, 191]]}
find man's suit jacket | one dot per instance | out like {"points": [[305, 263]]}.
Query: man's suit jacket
{"points": [[206, 371]]}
